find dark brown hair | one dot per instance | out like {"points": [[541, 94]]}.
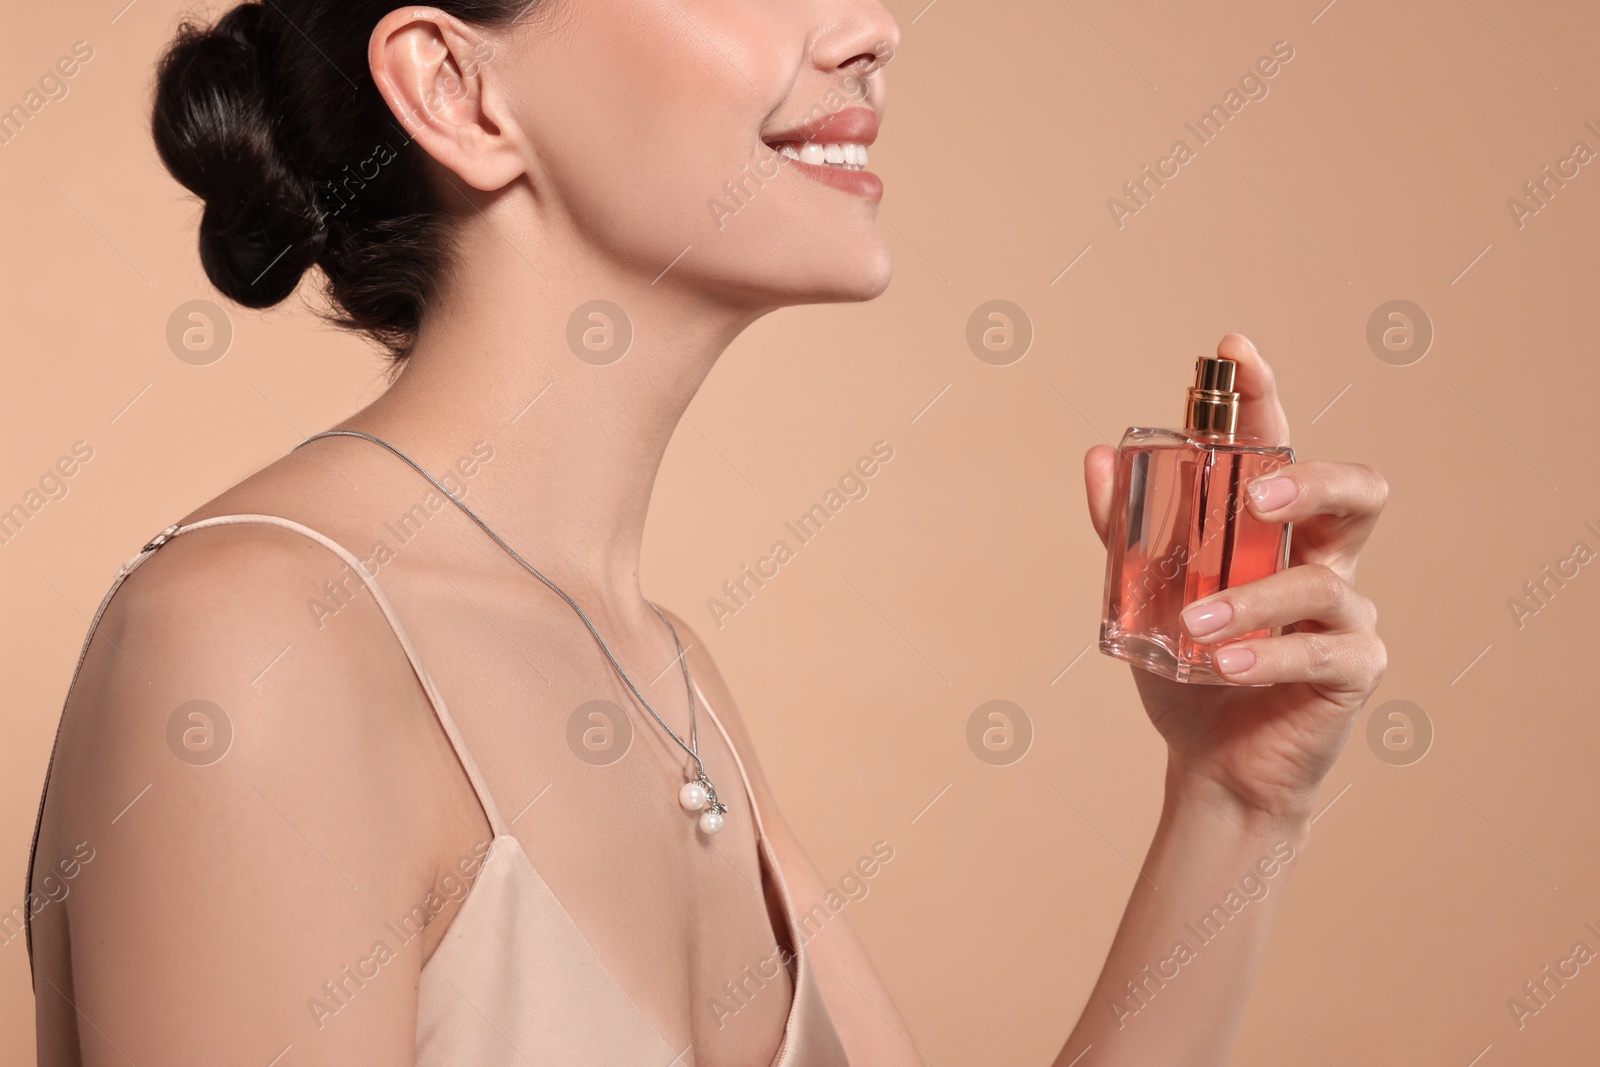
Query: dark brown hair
{"points": [[271, 117]]}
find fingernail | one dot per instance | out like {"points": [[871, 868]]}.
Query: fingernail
{"points": [[1270, 494], [1234, 660], [1207, 618]]}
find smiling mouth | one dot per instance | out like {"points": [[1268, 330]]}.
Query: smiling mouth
{"points": [[842, 155], [832, 149]]}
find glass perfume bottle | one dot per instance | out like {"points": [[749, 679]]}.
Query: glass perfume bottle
{"points": [[1181, 531]]}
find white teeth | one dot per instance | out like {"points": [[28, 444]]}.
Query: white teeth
{"points": [[847, 156]]}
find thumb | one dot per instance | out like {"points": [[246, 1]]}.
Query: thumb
{"points": [[1099, 478]]}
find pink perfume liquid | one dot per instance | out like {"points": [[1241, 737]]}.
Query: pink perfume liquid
{"points": [[1181, 531]]}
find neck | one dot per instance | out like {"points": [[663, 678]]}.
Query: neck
{"points": [[576, 445]]}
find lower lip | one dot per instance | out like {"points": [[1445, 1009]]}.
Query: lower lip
{"points": [[862, 183]]}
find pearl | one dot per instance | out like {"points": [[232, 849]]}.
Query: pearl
{"points": [[710, 822], [693, 797]]}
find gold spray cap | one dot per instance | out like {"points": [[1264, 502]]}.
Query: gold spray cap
{"points": [[1212, 404]]}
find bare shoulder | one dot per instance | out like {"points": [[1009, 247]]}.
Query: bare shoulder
{"points": [[243, 789], [226, 616]]}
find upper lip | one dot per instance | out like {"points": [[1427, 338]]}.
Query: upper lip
{"points": [[853, 125]]}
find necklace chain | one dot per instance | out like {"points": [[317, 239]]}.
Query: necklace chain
{"points": [[713, 804]]}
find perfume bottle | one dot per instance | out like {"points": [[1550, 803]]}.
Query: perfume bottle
{"points": [[1181, 531]]}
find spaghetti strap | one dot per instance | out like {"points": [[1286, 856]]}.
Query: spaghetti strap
{"points": [[457, 742], [480, 787], [750, 794]]}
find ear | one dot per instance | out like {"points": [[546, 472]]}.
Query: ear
{"points": [[431, 69]]}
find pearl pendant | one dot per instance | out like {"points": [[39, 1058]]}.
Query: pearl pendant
{"points": [[700, 795], [693, 796]]}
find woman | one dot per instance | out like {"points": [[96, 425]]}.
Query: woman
{"points": [[337, 779]]}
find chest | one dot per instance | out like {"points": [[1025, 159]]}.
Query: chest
{"points": [[691, 927]]}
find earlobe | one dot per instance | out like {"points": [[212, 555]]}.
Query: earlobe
{"points": [[430, 69]]}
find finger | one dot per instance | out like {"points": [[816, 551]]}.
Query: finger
{"points": [[1099, 479], [1335, 506], [1345, 663], [1308, 594], [1260, 413]]}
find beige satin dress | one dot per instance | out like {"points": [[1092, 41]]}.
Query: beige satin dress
{"points": [[514, 981]]}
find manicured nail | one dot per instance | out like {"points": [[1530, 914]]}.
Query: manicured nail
{"points": [[1270, 494], [1207, 618], [1235, 660]]}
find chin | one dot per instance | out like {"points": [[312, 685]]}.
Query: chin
{"points": [[878, 272], [861, 276], [848, 272]]}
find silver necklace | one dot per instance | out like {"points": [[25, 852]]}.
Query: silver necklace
{"points": [[697, 794]]}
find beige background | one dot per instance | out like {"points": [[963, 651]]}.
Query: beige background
{"points": [[1378, 168]]}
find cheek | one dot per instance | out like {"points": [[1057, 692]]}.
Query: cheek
{"points": [[638, 120], [641, 123]]}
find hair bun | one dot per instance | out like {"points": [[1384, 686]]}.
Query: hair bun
{"points": [[215, 128]]}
